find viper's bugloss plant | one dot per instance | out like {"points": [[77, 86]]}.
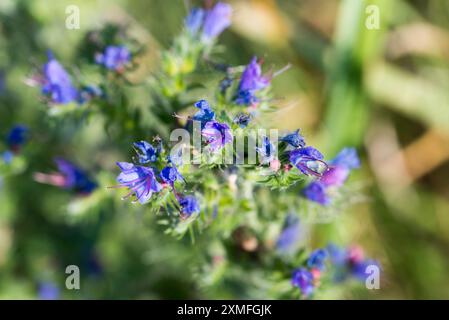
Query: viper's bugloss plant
{"points": [[213, 169]]}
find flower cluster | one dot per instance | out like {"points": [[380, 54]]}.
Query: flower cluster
{"points": [[152, 173], [163, 181], [344, 263], [57, 85], [334, 177]]}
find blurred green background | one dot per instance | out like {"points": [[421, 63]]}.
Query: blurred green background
{"points": [[383, 90]]}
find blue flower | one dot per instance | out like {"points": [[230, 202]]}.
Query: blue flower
{"points": [[303, 279], [251, 81], [194, 20], [246, 98], [358, 269], [205, 114], [290, 235], [170, 174], [347, 158], [114, 57], [242, 119], [141, 181], [189, 205], [216, 21], [317, 259], [48, 291], [7, 156], [295, 139], [308, 160], [74, 178], [217, 134], [146, 152], [57, 83], [267, 151], [316, 192], [16, 137]]}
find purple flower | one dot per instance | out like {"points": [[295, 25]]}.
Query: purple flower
{"points": [[189, 205], [334, 176], [251, 81], [16, 137], [194, 20], [266, 151], [74, 177], [205, 114], [114, 57], [341, 165], [295, 139], [216, 21], [141, 181], [349, 262], [359, 269], [146, 152], [303, 279], [217, 134], [170, 174], [252, 78], [57, 83], [317, 259], [48, 291], [246, 98], [308, 160], [69, 177], [347, 158], [290, 235], [316, 192]]}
